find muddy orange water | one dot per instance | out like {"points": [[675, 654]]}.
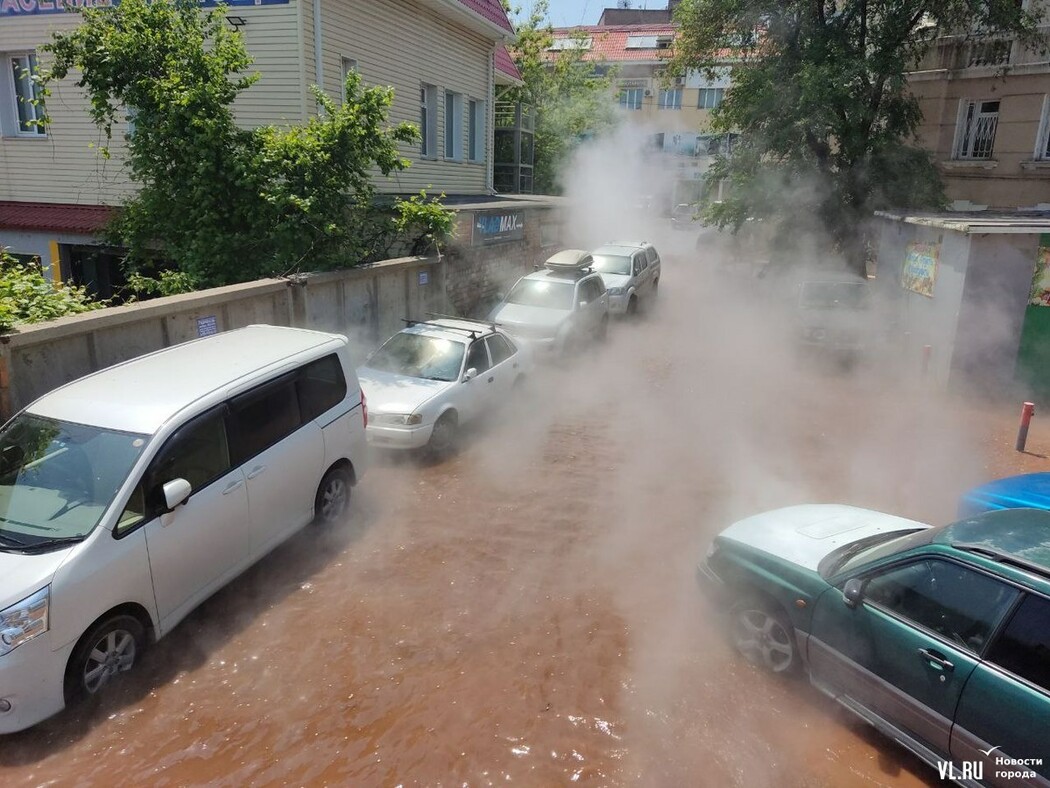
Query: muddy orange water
{"points": [[526, 613]]}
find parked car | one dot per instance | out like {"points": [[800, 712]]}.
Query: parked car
{"points": [[435, 376], [683, 217], [832, 318], [129, 496], [938, 637], [631, 273], [558, 308], [1027, 491]]}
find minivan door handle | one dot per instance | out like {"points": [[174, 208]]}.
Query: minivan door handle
{"points": [[234, 485], [256, 471], [935, 659]]}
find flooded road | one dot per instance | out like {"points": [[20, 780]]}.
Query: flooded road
{"points": [[526, 613]]}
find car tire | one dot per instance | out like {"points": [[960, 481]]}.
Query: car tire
{"points": [[656, 288], [109, 648], [603, 329], [632, 306], [762, 632], [333, 497], [444, 437]]}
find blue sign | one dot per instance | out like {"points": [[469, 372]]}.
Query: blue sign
{"points": [[424, 277], [36, 7], [495, 226], [206, 326]]}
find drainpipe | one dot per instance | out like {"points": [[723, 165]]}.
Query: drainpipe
{"points": [[490, 122], [318, 48]]}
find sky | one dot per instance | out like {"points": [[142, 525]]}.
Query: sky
{"points": [[565, 13]]}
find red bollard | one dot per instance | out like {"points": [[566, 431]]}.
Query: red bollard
{"points": [[1027, 412], [927, 351]]}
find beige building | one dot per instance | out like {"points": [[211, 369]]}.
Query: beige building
{"points": [[986, 117], [443, 58]]}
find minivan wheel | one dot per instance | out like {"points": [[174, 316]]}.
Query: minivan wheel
{"points": [[632, 306], [110, 648], [333, 497], [444, 436], [765, 637]]}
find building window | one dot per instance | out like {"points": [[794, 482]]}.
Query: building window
{"points": [[349, 64], [453, 125], [476, 130], [975, 132], [709, 98], [671, 98], [24, 102], [1042, 140], [631, 98], [428, 120]]}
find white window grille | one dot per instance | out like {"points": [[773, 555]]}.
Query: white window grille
{"points": [[975, 132]]}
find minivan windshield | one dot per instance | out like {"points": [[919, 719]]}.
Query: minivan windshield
{"points": [[57, 479], [612, 264], [419, 356], [547, 293]]}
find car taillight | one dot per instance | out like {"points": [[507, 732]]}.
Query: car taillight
{"points": [[364, 409]]}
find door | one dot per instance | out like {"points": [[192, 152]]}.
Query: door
{"points": [[281, 459], [197, 547], [1004, 711], [640, 272], [504, 365], [475, 395], [588, 298], [907, 648]]}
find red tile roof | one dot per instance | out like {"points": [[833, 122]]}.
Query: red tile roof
{"points": [[492, 10], [505, 64], [53, 217], [610, 43]]}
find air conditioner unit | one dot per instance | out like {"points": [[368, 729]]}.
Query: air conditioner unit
{"points": [[648, 92], [679, 81]]}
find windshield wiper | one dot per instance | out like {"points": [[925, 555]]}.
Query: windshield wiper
{"points": [[48, 544], [11, 540]]}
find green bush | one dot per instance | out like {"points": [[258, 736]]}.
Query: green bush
{"points": [[26, 296]]}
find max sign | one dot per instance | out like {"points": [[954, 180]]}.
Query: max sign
{"points": [[35, 7], [496, 226]]}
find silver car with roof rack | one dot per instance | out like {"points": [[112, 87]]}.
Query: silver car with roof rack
{"points": [[559, 307], [435, 376]]}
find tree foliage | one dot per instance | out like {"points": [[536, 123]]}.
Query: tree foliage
{"points": [[819, 94], [225, 203], [26, 296], [571, 97]]}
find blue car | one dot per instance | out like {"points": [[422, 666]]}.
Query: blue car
{"points": [[1028, 491]]}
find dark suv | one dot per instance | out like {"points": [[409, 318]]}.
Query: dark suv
{"points": [[938, 637]]}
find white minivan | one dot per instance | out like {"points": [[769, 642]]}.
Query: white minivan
{"points": [[129, 496]]}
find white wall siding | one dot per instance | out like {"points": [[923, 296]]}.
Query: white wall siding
{"points": [[402, 44]]}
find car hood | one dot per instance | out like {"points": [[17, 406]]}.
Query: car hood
{"points": [[26, 574], [512, 316], [388, 392], [1028, 491], [616, 280], [804, 535]]}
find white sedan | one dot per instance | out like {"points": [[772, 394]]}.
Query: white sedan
{"points": [[433, 377]]}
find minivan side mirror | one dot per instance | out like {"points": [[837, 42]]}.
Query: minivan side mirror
{"points": [[853, 592], [176, 492], [469, 375]]}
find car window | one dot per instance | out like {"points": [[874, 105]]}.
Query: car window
{"points": [[321, 386], [262, 417], [478, 356], [640, 263], [499, 349], [1023, 648], [546, 293], [959, 604], [651, 253]]}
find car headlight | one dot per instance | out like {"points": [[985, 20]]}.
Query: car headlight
{"points": [[616, 291], [24, 620], [399, 419]]}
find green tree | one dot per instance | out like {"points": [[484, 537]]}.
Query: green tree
{"points": [[819, 94], [571, 97], [224, 203], [26, 296]]}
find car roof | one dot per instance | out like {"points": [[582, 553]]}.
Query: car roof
{"points": [[623, 245], [568, 275], [141, 394], [1012, 537]]}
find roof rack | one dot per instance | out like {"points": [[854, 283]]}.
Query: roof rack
{"points": [[1004, 558], [474, 332]]}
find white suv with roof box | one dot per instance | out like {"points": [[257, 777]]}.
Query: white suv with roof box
{"points": [[558, 308], [129, 496]]}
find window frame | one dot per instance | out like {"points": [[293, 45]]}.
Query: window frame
{"points": [[250, 396], [453, 126], [13, 100], [702, 93], [1042, 136], [995, 639], [631, 105], [675, 93], [480, 342], [428, 120], [476, 128], [347, 65], [966, 126], [499, 338]]}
